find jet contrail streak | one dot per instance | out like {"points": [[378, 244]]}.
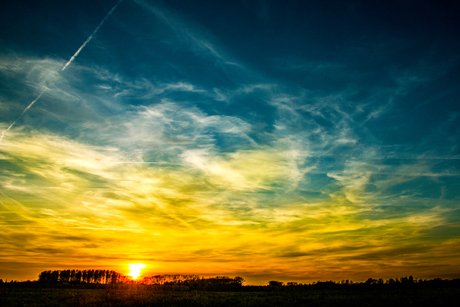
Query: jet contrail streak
{"points": [[91, 36], [65, 66], [25, 110], [32, 103]]}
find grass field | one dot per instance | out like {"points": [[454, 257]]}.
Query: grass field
{"points": [[147, 296]]}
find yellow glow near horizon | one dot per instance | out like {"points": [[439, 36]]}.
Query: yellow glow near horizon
{"points": [[240, 211], [135, 269]]}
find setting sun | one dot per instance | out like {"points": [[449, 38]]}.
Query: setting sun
{"points": [[135, 269]]}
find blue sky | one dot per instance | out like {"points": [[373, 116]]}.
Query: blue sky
{"points": [[289, 140]]}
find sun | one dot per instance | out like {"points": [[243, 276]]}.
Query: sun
{"points": [[135, 269]]}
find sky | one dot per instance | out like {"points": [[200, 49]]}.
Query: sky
{"points": [[268, 139]]}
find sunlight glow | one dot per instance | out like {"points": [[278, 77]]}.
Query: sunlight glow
{"points": [[135, 269]]}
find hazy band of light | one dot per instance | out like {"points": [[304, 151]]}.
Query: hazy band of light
{"points": [[143, 162]]}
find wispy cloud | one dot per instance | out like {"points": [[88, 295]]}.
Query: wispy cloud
{"points": [[63, 68], [187, 32]]}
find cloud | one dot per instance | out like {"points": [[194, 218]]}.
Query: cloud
{"points": [[144, 89], [185, 31], [245, 170], [235, 202]]}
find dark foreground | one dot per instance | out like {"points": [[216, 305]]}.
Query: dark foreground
{"points": [[148, 296]]}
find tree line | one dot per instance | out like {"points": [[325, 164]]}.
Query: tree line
{"points": [[107, 277], [404, 282], [112, 277], [82, 276], [190, 279]]}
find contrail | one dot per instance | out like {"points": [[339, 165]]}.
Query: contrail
{"points": [[91, 36], [32, 103], [65, 66], [25, 110]]}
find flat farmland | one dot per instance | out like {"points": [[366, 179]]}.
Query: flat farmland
{"points": [[148, 296]]}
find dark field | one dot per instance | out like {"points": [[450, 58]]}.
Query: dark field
{"points": [[148, 296]]}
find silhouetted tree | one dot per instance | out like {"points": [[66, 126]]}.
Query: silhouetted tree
{"points": [[114, 278], [90, 276], [275, 283], [55, 276], [238, 280], [107, 277], [78, 276], [64, 276], [371, 281], [43, 276]]}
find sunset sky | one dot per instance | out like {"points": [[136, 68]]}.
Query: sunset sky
{"points": [[269, 139]]}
